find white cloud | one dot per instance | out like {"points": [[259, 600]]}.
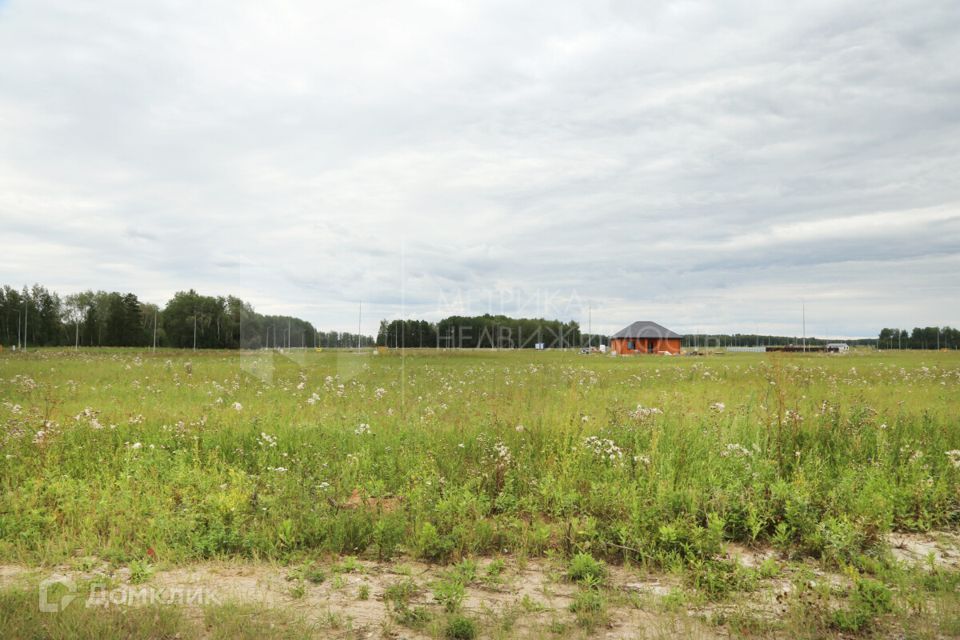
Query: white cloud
{"points": [[703, 165]]}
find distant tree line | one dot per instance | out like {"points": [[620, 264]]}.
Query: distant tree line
{"points": [[39, 317], [919, 338], [479, 332], [760, 340]]}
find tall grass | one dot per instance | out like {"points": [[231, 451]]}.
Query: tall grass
{"points": [[182, 455]]}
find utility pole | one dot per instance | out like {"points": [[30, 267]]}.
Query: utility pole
{"points": [[155, 311], [589, 327], [26, 319], [194, 329], [359, 323], [76, 344], [289, 322], [803, 311], [19, 342]]}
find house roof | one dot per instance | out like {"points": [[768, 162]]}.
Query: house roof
{"points": [[645, 329]]}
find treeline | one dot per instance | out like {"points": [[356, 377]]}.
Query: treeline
{"points": [[479, 332], [38, 317], [919, 338], [759, 340]]}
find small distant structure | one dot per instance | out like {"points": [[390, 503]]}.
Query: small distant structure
{"points": [[837, 347], [644, 336]]}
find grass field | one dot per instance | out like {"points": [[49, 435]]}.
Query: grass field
{"points": [[592, 464]]}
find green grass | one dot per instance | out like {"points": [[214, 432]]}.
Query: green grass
{"points": [[20, 618], [120, 453], [152, 460]]}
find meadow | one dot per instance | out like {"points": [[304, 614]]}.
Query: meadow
{"points": [[146, 460]]}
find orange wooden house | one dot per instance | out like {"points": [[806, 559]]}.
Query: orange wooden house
{"points": [[644, 336]]}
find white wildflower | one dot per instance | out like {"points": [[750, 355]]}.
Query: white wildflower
{"points": [[502, 453], [736, 449], [954, 455], [266, 440], [642, 412], [603, 448], [237, 406]]}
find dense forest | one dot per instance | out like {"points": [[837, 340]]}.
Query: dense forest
{"points": [[919, 338], [39, 317], [478, 332]]}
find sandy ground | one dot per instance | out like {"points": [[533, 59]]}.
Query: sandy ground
{"points": [[534, 593]]}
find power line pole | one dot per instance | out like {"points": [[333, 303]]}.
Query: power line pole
{"points": [[359, 323], [589, 327], [155, 311], [194, 329], [26, 320], [803, 312]]}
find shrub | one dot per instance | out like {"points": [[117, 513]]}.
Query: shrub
{"points": [[584, 567], [870, 599], [400, 593], [449, 592], [460, 628]]}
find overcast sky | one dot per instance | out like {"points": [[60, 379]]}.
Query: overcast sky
{"points": [[707, 165]]}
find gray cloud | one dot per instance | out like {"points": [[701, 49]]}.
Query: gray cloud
{"points": [[706, 165]]}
